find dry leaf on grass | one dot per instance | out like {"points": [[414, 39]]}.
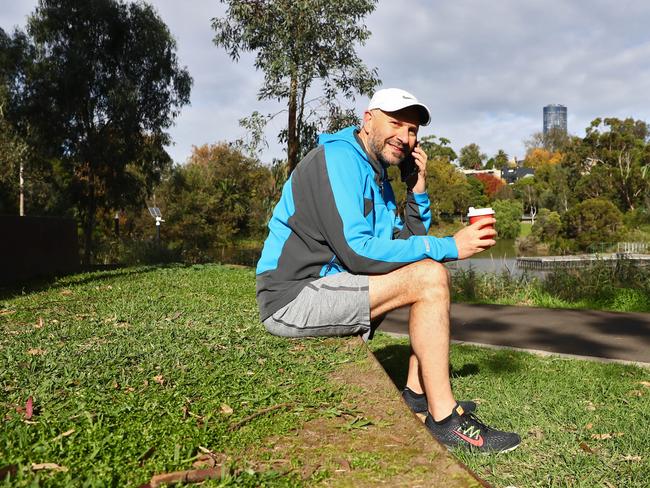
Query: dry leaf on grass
{"points": [[635, 393], [645, 383], [48, 467], [159, 379], [634, 459], [29, 408], [589, 426], [586, 448], [36, 352], [66, 293], [63, 434], [606, 436], [40, 323], [226, 409]]}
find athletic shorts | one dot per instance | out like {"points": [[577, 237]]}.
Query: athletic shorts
{"points": [[335, 305]]}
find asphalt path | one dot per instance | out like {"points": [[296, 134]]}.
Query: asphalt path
{"points": [[610, 335]]}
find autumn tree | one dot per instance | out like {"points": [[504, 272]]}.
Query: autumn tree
{"points": [[304, 47], [538, 156], [106, 74], [491, 183]]}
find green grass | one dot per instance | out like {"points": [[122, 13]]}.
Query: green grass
{"points": [[626, 289], [565, 411], [131, 370]]}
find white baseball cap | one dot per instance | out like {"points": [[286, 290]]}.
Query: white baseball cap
{"points": [[394, 99]]}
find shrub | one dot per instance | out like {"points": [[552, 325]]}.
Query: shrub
{"points": [[592, 222], [508, 215]]}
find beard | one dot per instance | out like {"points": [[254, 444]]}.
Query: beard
{"points": [[382, 151]]}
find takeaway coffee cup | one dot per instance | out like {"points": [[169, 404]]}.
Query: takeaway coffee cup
{"points": [[476, 214]]}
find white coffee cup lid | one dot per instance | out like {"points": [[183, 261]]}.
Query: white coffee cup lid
{"points": [[476, 212]]}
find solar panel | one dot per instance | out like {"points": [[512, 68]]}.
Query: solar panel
{"points": [[155, 212]]}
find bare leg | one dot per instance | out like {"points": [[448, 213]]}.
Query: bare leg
{"points": [[425, 286]]}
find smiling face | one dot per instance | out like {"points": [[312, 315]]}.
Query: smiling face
{"points": [[390, 136]]}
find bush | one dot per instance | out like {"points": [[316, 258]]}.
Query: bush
{"points": [[593, 222], [508, 215], [547, 226]]}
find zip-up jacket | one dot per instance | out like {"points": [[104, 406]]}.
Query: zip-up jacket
{"points": [[337, 213]]}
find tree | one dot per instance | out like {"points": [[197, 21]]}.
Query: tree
{"points": [[213, 199], [538, 156], [623, 147], [593, 222], [491, 183], [555, 140], [548, 226], [299, 44], [111, 84], [471, 157], [500, 160], [508, 214]]}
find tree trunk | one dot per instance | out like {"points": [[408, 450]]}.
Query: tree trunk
{"points": [[292, 134], [89, 224]]}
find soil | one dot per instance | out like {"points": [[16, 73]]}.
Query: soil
{"points": [[374, 441]]}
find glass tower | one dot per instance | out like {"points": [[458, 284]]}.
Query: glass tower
{"points": [[555, 118]]}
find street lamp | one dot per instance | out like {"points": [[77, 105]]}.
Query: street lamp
{"points": [[155, 213]]}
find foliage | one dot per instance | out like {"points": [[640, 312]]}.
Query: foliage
{"points": [[500, 160], [217, 196], [547, 226], [491, 183], [471, 157], [439, 150], [299, 44], [508, 214], [592, 222], [623, 148], [527, 191], [538, 156], [110, 84]]}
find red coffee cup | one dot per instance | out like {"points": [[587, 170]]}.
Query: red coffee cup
{"points": [[476, 214]]}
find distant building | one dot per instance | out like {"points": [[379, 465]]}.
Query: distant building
{"points": [[510, 175], [470, 172], [555, 118]]}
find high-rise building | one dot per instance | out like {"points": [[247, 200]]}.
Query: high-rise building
{"points": [[555, 118]]}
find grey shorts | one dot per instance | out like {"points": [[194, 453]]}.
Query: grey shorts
{"points": [[335, 305]]}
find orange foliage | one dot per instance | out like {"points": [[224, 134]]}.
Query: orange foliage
{"points": [[539, 156], [491, 183]]}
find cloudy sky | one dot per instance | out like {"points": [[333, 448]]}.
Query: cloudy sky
{"points": [[485, 68]]}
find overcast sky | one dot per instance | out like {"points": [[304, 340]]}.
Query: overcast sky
{"points": [[484, 68]]}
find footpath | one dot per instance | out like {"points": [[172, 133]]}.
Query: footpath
{"points": [[621, 337]]}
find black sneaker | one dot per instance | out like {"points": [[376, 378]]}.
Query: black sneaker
{"points": [[465, 429], [418, 402]]}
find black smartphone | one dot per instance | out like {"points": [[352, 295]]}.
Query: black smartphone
{"points": [[408, 168]]}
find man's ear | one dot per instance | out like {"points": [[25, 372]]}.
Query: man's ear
{"points": [[367, 120]]}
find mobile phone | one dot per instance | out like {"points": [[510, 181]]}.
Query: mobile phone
{"points": [[407, 167]]}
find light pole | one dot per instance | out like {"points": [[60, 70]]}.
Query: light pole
{"points": [[155, 213]]}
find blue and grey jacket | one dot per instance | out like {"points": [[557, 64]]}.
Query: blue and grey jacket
{"points": [[337, 213]]}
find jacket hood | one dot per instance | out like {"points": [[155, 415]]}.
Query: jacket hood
{"points": [[350, 136]]}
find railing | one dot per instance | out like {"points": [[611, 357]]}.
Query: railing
{"points": [[633, 247]]}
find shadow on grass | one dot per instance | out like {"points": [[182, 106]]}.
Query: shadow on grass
{"points": [[100, 274], [395, 359]]}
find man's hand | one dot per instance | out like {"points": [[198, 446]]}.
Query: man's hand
{"points": [[475, 238], [417, 183]]}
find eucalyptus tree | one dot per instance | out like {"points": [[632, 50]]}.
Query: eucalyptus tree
{"points": [[303, 47], [104, 86]]}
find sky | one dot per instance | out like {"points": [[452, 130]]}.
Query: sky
{"points": [[485, 69]]}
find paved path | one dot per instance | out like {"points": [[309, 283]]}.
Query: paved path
{"points": [[612, 335]]}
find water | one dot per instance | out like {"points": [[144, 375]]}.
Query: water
{"points": [[502, 257]]}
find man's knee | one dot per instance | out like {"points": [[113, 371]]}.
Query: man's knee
{"points": [[432, 277]]}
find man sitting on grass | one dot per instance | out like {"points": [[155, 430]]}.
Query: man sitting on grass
{"points": [[338, 258]]}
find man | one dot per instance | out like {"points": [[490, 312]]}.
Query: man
{"points": [[338, 258]]}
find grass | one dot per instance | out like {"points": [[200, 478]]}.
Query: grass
{"points": [[625, 288], [583, 424], [132, 370]]}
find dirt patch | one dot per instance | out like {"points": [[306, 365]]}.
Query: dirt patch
{"points": [[373, 439]]}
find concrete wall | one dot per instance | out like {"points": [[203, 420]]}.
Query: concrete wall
{"points": [[37, 246]]}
